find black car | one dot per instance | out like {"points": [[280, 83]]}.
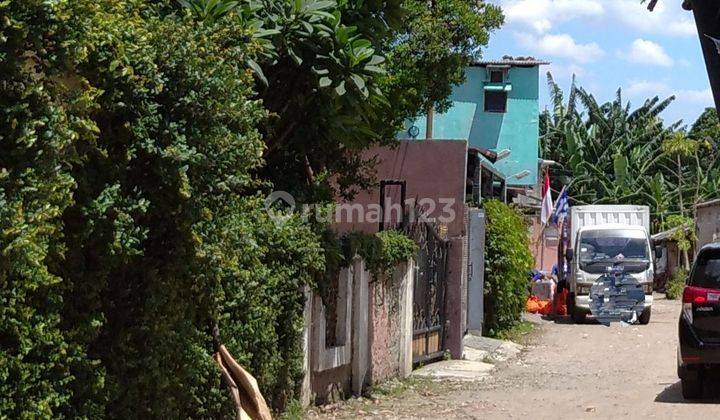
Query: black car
{"points": [[699, 326]]}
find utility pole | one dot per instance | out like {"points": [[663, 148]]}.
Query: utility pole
{"points": [[429, 123]]}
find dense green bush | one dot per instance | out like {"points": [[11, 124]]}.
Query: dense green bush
{"points": [[130, 218], [39, 358], [676, 284], [508, 262]]}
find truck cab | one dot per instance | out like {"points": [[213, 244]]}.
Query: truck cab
{"points": [[596, 246]]}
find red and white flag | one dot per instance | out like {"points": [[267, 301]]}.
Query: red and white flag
{"points": [[547, 201]]}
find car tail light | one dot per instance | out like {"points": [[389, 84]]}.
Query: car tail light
{"points": [[691, 359], [698, 296]]}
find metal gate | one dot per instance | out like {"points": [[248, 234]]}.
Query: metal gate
{"points": [[429, 294]]}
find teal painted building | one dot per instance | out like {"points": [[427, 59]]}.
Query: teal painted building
{"points": [[497, 108]]}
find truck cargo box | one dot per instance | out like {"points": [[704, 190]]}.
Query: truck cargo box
{"points": [[612, 214]]}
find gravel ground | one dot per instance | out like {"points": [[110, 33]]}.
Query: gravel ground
{"points": [[584, 371]]}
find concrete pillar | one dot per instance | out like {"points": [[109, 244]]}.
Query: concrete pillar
{"points": [[476, 276], [360, 342], [454, 295], [306, 387], [405, 312]]}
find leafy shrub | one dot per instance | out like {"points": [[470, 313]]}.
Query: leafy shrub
{"points": [[382, 251], [41, 361], [507, 263], [676, 284], [130, 218]]}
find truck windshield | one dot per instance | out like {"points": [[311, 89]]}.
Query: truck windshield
{"points": [[706, 272], [616, 245]]}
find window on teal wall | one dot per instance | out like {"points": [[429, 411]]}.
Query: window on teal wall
{"points": [[496, 76], [495, 101]]}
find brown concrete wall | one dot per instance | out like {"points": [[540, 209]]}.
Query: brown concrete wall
{"points": [[433, 169], [381, 336]]}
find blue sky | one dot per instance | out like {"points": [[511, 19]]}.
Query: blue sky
{"points": [[609, 44]]}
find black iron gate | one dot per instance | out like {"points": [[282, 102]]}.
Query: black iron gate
{"points": [[429, 294]]}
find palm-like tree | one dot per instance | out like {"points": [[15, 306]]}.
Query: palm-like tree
{"points": [[614, 154]]}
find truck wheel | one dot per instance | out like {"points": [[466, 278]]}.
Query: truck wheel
{"points": [[570, 302], [645, 316], [578, 316], [692, 386]]}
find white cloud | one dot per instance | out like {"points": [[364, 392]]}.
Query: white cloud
{"points": [[685, 96], [687, 101], [668, 18], [647, 52], [703, 97], [645, 87], [560, 45], [542, 15], [563, 71]]}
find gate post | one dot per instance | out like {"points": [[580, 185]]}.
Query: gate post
{"points": [[406, 319], [476, 271], [453, 298]]}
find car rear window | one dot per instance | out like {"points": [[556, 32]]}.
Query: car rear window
{"points": [[706, 272]]}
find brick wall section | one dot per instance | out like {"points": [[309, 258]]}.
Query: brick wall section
{"points": [[384, 330]]}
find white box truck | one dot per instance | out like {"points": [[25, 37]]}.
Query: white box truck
{"points": [[599, 237]]}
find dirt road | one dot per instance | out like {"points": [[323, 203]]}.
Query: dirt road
{"points": [[583, 371]]}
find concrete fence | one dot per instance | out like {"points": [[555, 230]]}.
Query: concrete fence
{"points": [[373, 333]]}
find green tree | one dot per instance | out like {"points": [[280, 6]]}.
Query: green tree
{"points": [[706, 127], [139, 139], [678, 146], [339, 79], [614, 154], [610, 152]]}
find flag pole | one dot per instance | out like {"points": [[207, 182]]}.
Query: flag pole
{"points": [[543, 222], [555, 208]]}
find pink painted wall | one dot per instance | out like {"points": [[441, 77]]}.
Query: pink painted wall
{"points": [[544, 260]]}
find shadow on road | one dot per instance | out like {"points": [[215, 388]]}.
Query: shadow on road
{"points": [[673, 394]]}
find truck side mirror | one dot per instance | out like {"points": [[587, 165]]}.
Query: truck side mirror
{"points": [[658, 252], [569, 254]]}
